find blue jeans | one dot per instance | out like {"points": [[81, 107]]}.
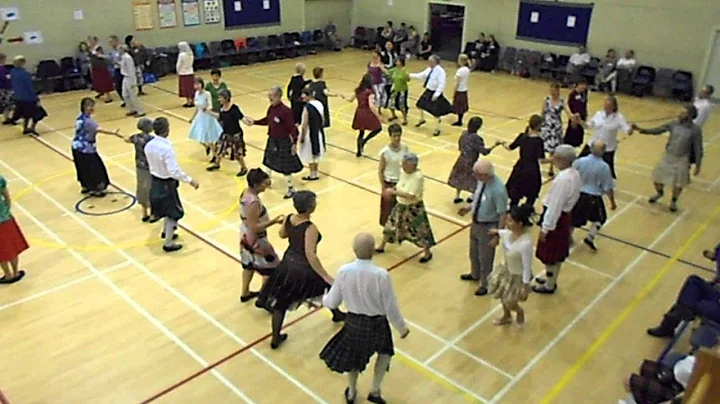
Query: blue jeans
{"points": [[701, 297]]}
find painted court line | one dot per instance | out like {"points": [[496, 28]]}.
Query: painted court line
{"points": [[531, 364], [184, 299]]}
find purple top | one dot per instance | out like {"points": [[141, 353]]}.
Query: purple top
{"points": [[4, 79], [376, 74]]}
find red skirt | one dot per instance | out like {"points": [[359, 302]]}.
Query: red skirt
{"points": [[557, 242], [460, 102], [12, 241], [186, 86], [102, 80], [364, 119]]}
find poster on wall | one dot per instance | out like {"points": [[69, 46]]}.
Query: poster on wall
{"points": [[142, 15], [10, 13], [167, 14], [212, 11], [191, 12], [33, 37]]}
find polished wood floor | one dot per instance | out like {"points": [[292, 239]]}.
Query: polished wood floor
{"points": [[105, 317]]}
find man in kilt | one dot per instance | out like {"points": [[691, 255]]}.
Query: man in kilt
{"points": [[553, 245], [368, 294], [281, 148], [432, 100], [166, 176], [597, 180]]}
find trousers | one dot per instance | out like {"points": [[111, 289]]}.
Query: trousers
{"points": [[130, 96], [482, 255]]}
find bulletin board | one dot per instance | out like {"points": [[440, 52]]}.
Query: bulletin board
{"points": [[554, 22], [191, 12], [167, 13], [143, 15], [212, 11], [239, 13]]}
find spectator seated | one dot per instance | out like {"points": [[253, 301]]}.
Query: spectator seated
{"points": [[332, 40], [576, 65]]}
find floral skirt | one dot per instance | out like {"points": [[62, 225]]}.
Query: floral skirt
{"points": [[409, 223], [506, 286]]}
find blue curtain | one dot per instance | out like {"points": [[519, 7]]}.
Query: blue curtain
{"points": [[252, 12], [547, 21]]}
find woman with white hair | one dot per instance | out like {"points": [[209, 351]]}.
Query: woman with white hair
{"points": [[186, 74], [409, 220], [294, 89]]}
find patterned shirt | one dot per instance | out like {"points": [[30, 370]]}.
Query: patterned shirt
{"points": [[85, 135], [4, 206], [140, 140]]}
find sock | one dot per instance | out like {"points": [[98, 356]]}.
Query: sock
{"points": [[352, 383], [313, 173], [422, 115], [382, 365], [169, 229], [552, 272], [594, 229], [288, 179]]}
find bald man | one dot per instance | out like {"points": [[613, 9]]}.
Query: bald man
{"points": [[489, 205], [368, 294], [597, 181]]}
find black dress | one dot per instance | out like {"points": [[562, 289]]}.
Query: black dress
{"points": [[318, 88], [525, 179], [294, 90], [294, 280], [577, 102], [232, 142]]}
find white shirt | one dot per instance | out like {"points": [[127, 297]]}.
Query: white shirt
{"points": [[184, 66], [627, 64], [605, 128], [366, 289], [393, 162], [518, 254], [436, 83], [562, 196], [580, 59], [462, 76], [127, 68], [162, 162], [704, 106]]}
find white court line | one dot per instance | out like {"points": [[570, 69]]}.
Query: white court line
{"points": [[590, 269], [134, 304], [583, 313], [189, 303], [64, 286]]}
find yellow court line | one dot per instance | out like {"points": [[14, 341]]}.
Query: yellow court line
{"points": [[637, 300]]}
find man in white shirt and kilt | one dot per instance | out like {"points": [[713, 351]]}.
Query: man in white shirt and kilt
{"points": [[368, 294], [432, 100], [553, 245], [166, 176]]}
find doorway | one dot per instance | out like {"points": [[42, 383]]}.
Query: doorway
{"points": [[446, 25]]}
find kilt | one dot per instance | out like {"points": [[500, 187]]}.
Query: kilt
{"points": [[574, 135], [608, 157], [360, 338], [165, 200], [186, 86], [280, 157], [386, 204], [91, 172], [460, 102], [6, 100], [144, 183], [12, 241], [655, 384], [672, 171], [437, 108], [556, 246], [589, 208]]}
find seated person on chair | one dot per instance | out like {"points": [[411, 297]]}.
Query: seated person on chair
{"points": [[627, 62], [332, 40], [697, 297], [410, 46], [490, 56], [401, 35], [606, 75], [577, 63], [425, 47]]}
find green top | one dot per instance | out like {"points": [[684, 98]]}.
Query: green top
{"points": [[4, 206], [400, 79], [210, 88]]}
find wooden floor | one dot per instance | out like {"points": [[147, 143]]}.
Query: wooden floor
{"points": [[105, 317]]}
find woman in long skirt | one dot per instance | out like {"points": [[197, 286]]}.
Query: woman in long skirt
{"points": [[552, 129], [311, 141], [12, 241], [256, 252], [510, 281], [408, 220], [471, 146], [300, 275], [204, 127], [389, 169], [142, 170], [186, 74], [91, 172], [525, 179], [366, 117], [102, 80], [27, 102], [232, 141]]}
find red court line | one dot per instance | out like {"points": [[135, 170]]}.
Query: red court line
{"points": [[265, 337]]}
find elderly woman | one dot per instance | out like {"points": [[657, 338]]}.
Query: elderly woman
{"points": [[281, 148], [256, 252], [673, 170], [605, 125], [300, 276], [186, 74], [408, 220], [27, 103], [91, 171]]}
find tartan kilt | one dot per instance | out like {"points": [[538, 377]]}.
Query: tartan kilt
{"points": [[589, 208], [556, 246], [280, 157], [437, 108], [360, 338], [460, 102], [655, 384], [165, 200]]}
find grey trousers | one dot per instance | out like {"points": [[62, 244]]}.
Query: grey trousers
{"points": [[130, 96], [482, 255]]}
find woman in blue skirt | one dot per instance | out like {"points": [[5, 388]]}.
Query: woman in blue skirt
{"points": [[205, 127]]}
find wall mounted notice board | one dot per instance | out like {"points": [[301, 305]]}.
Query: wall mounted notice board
{"points": [[142, 15], [167, 13], [554, 22], [191, 12], [239, 13]]}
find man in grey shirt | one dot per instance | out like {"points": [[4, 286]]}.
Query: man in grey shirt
{"points": [[674, 168], [490, 203]]}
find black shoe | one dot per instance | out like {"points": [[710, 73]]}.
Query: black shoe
{"points": [[660, 332], [376, 398], [276, 344], [544, 290], [467, 278], [145, 219], [122, 105], [457, 200], [482, 291], [242, 172], [172, 248], [656, 197], [590, 244], [426, 258], [437, 132], [458, 123], [419, 124], [348, 399], [162, 236], [252, 295], [469, 200], [290, 193]]}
